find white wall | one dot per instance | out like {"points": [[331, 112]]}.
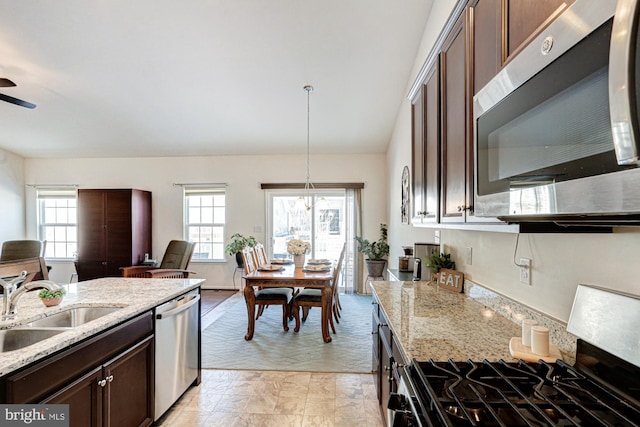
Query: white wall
{"points": [[560, 261], [245, 199], [12, 189]]}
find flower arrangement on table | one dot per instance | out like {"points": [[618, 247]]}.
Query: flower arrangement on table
{"points": [[298, 247]]}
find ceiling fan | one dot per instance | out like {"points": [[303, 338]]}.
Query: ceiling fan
{"points": [[8, 83]]}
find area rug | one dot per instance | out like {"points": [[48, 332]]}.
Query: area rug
{"points": [[273, 349], [211, 298]]}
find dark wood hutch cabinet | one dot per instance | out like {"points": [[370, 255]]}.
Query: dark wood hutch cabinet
{"points": [[114, 230]]}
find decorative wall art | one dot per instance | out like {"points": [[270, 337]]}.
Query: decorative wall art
{"points": [[405, 196]]}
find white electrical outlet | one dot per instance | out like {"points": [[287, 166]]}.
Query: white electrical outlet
{"points": [[436, 236], [469, 259], [525, 271]]}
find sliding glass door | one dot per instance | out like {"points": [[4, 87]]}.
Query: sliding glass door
{"points": [[326, 224]]}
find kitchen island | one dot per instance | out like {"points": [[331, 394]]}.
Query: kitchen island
{"points": [[133, 296], [102, 366]]}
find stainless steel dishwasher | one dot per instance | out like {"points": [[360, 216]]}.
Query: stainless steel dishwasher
{"points": [[176, 336]]}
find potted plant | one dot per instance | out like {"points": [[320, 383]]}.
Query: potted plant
{"points": [[375, 252], [237, 244], [440, 260], [51, 298]]}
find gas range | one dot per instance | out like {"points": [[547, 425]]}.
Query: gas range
{"points": [[600, 389]]}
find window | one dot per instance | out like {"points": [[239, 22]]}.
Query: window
{"points": [[57, 222], [204, 221]]}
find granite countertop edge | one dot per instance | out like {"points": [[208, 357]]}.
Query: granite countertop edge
{"points": [[134, 296]]}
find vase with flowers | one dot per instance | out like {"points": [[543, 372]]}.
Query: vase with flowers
{"points": [[298, 248]]}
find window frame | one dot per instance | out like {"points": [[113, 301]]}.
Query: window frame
{"points": [[43, 194], [213, 190]]}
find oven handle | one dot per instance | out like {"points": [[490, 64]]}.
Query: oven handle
{"points": [[621, 88]]}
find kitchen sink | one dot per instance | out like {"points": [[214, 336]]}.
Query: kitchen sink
{"points": [[72, 317], [17, 338]]}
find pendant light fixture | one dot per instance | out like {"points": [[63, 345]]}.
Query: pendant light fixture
{"points": [[307, 196]]}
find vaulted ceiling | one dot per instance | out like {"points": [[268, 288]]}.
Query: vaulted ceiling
{"points": [[128, 78]]}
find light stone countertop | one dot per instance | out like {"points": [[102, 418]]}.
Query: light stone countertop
{"points": [[433, 323], [135, 296]]}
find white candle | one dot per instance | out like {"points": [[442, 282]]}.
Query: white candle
{"points": [[540, 340], [526, 331]]}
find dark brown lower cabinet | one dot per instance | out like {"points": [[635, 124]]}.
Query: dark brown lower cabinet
{"points": [[118, 393], [107, 380], [84, 397]]}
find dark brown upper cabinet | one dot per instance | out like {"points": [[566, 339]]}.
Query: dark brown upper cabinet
{"points": [[456, 201], [426, 148], [486, 22], [418, 189], [525, 19], [477, 40]]}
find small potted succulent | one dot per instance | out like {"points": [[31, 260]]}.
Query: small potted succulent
{"points": [[237, 244], [51, 298]]}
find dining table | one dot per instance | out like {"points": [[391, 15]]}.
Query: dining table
{"points": [[289, 277]]}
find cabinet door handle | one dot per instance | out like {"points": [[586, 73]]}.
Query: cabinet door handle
{"points": [[102, 382], [110, 378], [383, 325], [374, 332]]}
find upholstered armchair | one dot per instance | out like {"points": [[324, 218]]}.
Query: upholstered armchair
{"points": [[21, 249], [174, 263]]}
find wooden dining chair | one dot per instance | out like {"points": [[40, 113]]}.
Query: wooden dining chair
{"points": [[268, 296], [311, 297], [335, 303], [260, 255], [249, 260]]}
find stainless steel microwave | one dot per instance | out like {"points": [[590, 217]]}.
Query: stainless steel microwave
{"points": [[557, 131]]}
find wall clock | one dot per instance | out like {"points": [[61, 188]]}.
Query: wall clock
{"points": [[405, 196]]}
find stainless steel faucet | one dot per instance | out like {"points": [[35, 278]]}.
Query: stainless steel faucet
{"points": [[12, 295]]}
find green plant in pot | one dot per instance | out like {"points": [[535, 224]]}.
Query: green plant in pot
{"points": [[51, 298], [439, 261], [375, 251], [237, 243]]}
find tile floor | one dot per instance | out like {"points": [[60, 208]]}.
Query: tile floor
{"points": [[229, 398], [277, 398]]}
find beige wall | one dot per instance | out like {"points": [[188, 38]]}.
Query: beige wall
{"points": [[245, 200], [12, 189], [560, 261]]}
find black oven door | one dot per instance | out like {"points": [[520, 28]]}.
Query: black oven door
{"points": [[404, 408]]}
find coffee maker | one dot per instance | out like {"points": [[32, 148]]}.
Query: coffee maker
{"points": [[405, 263], [422, 254]]}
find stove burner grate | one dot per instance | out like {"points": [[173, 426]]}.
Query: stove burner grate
{"points": [[517, 394]]}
